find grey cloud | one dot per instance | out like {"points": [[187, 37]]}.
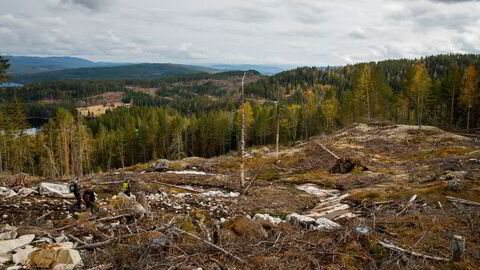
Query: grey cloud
{"points": [[248, 31], [358, 33], [94, 5], [427, 15], [453, 1], [468, 42], [240, 14], [307, 14]]}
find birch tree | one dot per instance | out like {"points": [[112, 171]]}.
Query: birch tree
{"points": [[469, 93], [420, 86]]}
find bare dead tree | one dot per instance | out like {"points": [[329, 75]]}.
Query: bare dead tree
{"points": [[277, 143], [242, 139]]}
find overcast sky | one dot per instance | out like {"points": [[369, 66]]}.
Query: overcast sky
{"points": [[299, 32]]}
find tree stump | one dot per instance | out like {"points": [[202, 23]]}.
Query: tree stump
{"points": [[458, 247], [455, 185]]}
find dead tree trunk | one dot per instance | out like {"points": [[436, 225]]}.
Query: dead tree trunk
{"points": [[278, 132], [242, 140], [458, 247]]}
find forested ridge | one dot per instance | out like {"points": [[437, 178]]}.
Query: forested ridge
{"points": [[188, 116]]}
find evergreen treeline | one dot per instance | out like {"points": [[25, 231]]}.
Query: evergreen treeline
{"points": [[439, 90]]}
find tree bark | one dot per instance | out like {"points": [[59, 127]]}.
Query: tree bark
{"points": [[458, 247]]}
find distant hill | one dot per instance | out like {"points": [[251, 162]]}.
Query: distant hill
{"points": [[32, 64], [135, 71], [263, 69]]}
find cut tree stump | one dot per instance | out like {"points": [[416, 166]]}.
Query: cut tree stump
{"points": [[343, 165], [346, 165], [458, 247]]}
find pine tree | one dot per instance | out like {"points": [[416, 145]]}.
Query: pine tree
{"points": [[4, 65], [455, 78]]}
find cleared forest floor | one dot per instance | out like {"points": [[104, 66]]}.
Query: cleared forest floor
{"points": [[206, 220]]}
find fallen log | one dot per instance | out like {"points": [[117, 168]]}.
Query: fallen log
{"points": [[458, 200], [43, 216], [327, 150], [177, 187], [383, 202], [76, 239], [112, 218], [413, 253], [96, 245]]}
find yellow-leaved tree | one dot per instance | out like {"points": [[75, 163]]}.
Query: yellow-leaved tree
{"points": [[469, 93]]}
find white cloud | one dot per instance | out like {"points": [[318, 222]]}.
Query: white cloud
{"points": [[302, 32]]}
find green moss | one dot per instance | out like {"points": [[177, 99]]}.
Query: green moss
{"points": [[378, 252], [268, 175], [186, 224]]}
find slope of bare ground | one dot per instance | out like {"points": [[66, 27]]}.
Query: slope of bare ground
{"points": [[201, 210]]}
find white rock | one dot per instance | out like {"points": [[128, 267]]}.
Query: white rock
{"points": [[268, 218], [44, 240], [21, 256], [315, 190], [325, 224], [15, 267], [181, 195], [62, 238], [187, 172], [9, 245], [55, 190], [217, 193], [6, 192], [300, 220], [88, 239], [5, 258], [25, 191]]}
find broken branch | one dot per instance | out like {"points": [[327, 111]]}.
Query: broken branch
{"points": [[413, 253], [453, 199], [327, 150], [178, 187]]}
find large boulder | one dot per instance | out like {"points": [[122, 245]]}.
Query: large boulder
{"points": [[301, 220], [267, 217], [8, 245], [6, 192], [56, 256], [325, 224], [55, 190], [22, 255], [160, 165]]}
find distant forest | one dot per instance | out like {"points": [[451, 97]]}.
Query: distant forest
{"points": [[190, 115]]}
